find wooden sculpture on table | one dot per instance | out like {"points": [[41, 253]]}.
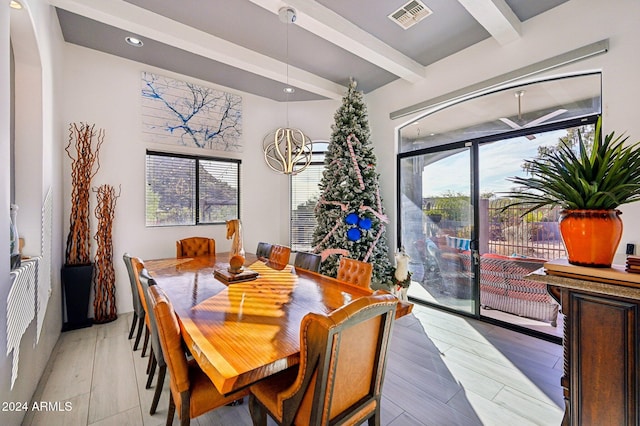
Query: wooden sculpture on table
{"points": [[234, 230], [104, 279]]}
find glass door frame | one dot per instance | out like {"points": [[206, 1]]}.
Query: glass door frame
{"points": [[458, 281], [473, 145]]}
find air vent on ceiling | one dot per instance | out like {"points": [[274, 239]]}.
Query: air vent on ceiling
{"points": [[410, 14]]}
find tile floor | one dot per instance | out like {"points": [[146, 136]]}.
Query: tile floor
{"points": [[443, 370]]}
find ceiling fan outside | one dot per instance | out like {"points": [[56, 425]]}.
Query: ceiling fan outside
{"points": [[519, 94]]}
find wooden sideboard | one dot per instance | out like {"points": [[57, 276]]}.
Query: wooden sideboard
{"points": [[601, 337]]}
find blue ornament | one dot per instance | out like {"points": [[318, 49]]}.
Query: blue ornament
{"points": [[351, 219], [365, 223], [353, 234]]}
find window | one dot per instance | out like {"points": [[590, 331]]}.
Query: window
{"points": [[304, 196], [191, 190]]}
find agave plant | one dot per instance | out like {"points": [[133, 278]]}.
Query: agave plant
{"points": [[601, 180]]}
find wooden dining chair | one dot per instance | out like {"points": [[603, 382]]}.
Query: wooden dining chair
{"points": [[192, 393], [355, 272], [263, 251], [138, 266], [195, 246], [342, 363], [156, 356], [308, 261], [279, 254], [138, 310]]}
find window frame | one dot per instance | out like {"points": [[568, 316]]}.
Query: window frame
{"points": [[197, 159]]}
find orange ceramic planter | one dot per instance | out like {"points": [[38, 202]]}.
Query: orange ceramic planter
{"points": [[591, 236]]}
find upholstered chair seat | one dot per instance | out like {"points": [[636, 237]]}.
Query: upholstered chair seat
{"points": [[263, 251], [156, 357], [138, 311], [355, 272], [342, 362], [192, 393], [279, 256], [195, 246], [137, 266], [308, 261]]}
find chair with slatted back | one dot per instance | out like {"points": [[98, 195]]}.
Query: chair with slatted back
{"points": [[279, 256], [342, 363], [355, 272], [138, 266], [138, 310], [195, 246], [192, 393], [308, 261], [156, 356], [263, 251]]}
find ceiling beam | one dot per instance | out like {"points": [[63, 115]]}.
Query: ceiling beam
{"points": [[143, 23], [496, 17], [325, 23]]}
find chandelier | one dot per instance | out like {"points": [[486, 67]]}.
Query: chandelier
{"points": [[287, 150]]}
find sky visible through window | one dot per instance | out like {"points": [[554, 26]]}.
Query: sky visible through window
{"points": [[498, 161]]}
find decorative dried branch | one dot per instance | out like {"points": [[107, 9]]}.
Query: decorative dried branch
{"points": [[84, 166], [104, 278]]}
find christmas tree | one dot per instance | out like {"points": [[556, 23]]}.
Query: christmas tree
{"points": [[349, 213]]}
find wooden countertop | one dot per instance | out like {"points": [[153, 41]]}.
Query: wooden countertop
{"points": [[614, 281]]}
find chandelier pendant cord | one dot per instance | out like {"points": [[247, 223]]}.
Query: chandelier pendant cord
{"points": [[287, 150]]}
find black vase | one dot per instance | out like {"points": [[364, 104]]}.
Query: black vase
{"points": [[76, 286]]}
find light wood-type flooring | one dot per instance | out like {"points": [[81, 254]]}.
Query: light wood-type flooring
{"points": [[442, 370]]}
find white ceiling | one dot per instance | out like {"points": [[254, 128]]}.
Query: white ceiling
{"points": [[242, 44]]}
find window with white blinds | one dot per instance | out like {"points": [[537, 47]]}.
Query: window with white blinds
{"points": [[304, 196], [191, 190]]}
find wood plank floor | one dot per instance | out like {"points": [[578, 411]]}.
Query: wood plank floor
{"points": [[442, 370]]}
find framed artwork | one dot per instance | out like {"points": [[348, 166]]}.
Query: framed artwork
{"points": [[185, 114]]}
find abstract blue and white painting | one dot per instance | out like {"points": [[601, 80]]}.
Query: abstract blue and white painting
{"points": [[185, 114]]}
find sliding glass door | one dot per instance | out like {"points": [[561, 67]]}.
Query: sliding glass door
{"points": [[469, 251], [437, 227]]}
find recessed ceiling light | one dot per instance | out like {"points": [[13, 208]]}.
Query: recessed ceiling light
{"points": [[135, 42], [15, 5], [289, 90]]}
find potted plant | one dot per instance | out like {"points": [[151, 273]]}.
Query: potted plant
{"points": [[588, 186], [77, 271]]}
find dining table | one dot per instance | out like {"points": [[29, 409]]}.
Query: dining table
{"points": [[242, 332]]}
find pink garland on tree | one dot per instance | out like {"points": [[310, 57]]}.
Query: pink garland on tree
{"points": [[355, 161], [375, 241], [383, 218], [326, 237], [328, 252], [342, 206]]}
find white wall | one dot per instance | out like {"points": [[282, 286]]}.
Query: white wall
{"points": [[572, 25], [82, 85], [37, 41], [105, 90], [5, 362]]}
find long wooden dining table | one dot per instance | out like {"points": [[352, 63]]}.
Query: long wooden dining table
{"points": [[242, 332]]}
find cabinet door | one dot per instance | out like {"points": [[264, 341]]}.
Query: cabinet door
{"points": [[603, 352]]}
